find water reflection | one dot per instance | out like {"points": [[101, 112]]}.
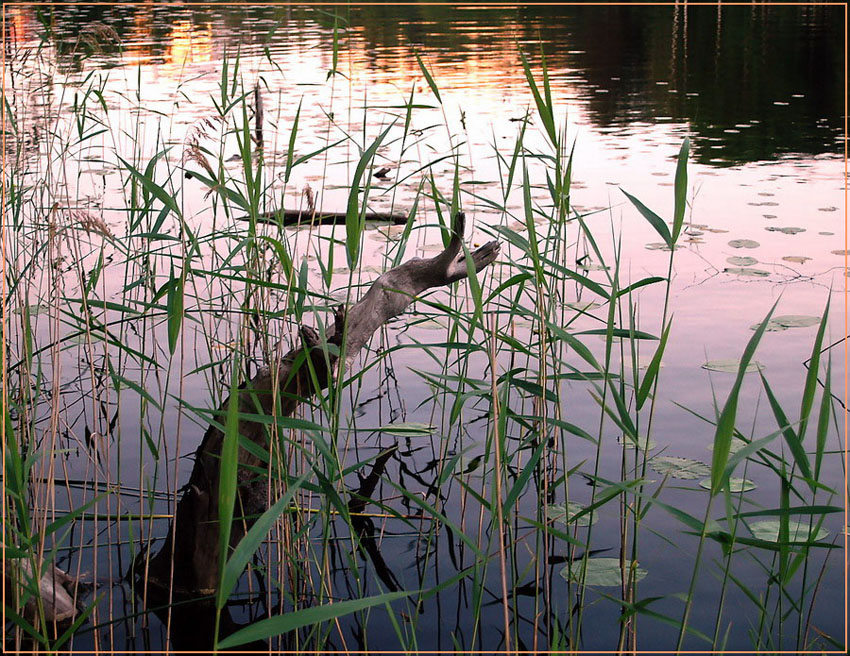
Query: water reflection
{"points": [[752, 82], [658, 72]]}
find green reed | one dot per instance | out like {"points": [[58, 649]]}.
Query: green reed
{"points": [[162, 302]]}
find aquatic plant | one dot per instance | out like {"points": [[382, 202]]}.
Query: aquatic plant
{"points": [[534, 390]]}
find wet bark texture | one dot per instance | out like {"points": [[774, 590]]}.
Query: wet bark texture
{"points": [[194, 535], [305, 217]]}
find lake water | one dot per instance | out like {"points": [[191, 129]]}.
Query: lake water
{"points": [[759, 91]]}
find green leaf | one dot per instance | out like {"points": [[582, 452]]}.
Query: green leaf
{"points": [[404, 429], [652, 370], [278, 624], [354, 217], [543, 109], [680, 190], [141, 391], [151, 187], [618, 332], [770, 531], [812, 376], [565, 512], [174, 304], [249, 544], [794, 442], [823, 420], [684, 468], [726, 423], [290, 151], [428, 78], [654, 220], [526, 473], [601, 572], [228, 466]]}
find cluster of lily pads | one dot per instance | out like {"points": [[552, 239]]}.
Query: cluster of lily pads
{"points": [[609, 572], [741, 266]]}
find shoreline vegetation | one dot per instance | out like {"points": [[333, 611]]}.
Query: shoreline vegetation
{"points": [[304, 517]]}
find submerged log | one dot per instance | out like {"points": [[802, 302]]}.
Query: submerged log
{"points": [[193, 537], [303, 217]]}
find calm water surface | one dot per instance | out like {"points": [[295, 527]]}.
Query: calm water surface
{"points": [[759, 90]]}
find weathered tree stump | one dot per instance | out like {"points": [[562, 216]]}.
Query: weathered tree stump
{"points": [[194, 534]]}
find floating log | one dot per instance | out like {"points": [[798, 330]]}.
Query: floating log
{"points": [[193, 538], [303, 217]]}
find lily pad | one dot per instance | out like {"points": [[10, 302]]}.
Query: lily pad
{"points": [[36, 308], [736, 445], [644, 443], [430, 324], [797, 531], [771, 327], [785, 231], [583, 306], [393, 233], [592, 266], [643, 362], [658, 246], [564, 513], [796, 320], [744, 243], [404, 429], [684, 468], [746, 271], [735, 484], [742, 261], [601, 571], [99, 172], [798, 259], [731, 365]]}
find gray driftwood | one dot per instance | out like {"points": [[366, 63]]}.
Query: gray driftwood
{"points": [[193, 536], [53, 588]]}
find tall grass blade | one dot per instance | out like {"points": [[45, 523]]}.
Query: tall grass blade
{"points": [[228, 471], [544, 109], [175, 310], [654, 220], [354, 216], [792, 438], [680, 190], [430, 80], [279, 624], [812, 375], [726, 423], [652, 370], [249, 544], [823, 420]]}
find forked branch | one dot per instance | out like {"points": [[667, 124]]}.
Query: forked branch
{"points": [[193, 536]]}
